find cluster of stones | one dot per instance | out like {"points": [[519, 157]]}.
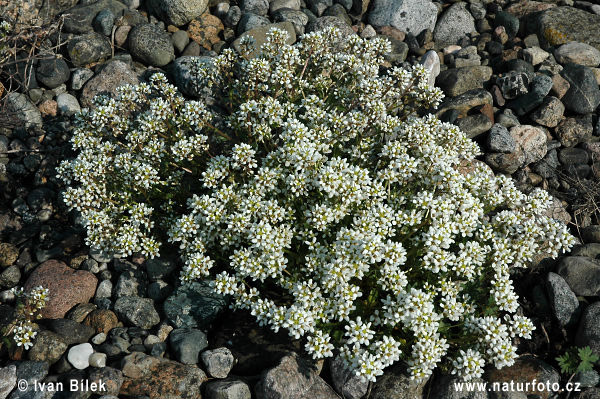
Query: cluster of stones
{"points": [[521, 78]]}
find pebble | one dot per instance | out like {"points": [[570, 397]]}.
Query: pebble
{"points": [[218, 362], [97, 359], [187, 343], [79, 356], [151, 45], [578, 53]]}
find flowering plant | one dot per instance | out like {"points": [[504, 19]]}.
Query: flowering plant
{"points": [[332, 209], [29, 306]]}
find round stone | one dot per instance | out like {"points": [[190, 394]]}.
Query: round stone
{"points": [[79, 355]]}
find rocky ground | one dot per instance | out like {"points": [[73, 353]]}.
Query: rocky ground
{"points": [[521, 78]]}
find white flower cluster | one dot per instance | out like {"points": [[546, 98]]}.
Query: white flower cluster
{"points": [[30, 304], [335, 212]]}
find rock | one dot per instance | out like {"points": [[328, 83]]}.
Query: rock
{"points": [[80, 312], [205, 30], [395, 383], [531, 140], [8, 380], [31, 372], [218, 362], [588, 333], [500, 140], [573, 156], [540, 87], [345, 380], [474, 125], [572, 131], [10, 277], [104, 289], [180, 40], [561, 25], [458, 81], [47, 347], [513, 84], [79, 355], [23, 110], [258, 7], [48, 108], [178, 12], [591, 234], [535, 55], [260, 35], [101, 320], [576, 53], [184, 71], [111, 377], [71, 331], [112, 76], [445, 388], [121, 34], [588, 378], [9, 254], [590, 393], [276, 5], [508, 21], [137, 311], [398, 53], [97, 360], [560, 86], [589, 250], [151, 45], [89, 48], [194, 305], [79, 19], [550, 113], [250, 21], [159, 378], [431, 62], [233, 16], [581, 273], [292, 378], [67, 104], [52, 72], [67, 287], [228, 389], [465, 102], [187, 343], [297, 18], [564, 302], [409, 16], [583, 95], [326, 22], [453, 24], [131, 283], [103, 22], [79, 77], [526, 369]]}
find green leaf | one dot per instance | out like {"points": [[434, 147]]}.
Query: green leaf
{"points": [[567, 363], [587, 359]]}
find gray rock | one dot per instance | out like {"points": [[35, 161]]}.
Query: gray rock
{"points": [[457, 81], [137, 311], [453, 24], [550, 113], [31, 372], [588, 378], [97, 359], [513, 84], [131, 283], [337, 10], [591, 234], [111, 377], [293, 378], [573, 156], [178, 12], [258, 7], [540, 87], [326, 22], [228, 389], [79, 77], [581, 273], [79, 19], [79, 355], [588, 333], [478, 10], [399, 51], [8, 380], [233, 16], [431, 62], [410, 16], [474, 125], [187, 343], [89, 48], [151, 45], [218, 362], [104, 289], [104, 22], [535, 55], [159, 290], [185, 74], [590, 393], [297, 18], [583, 96], [112, 76], [591, 250], [24, 110], [47, 347], [52, 72], [10, 277], [67, 104], [572, 131], [250, 21], [71, 331], [510, 22], [345, 380], [284, 4], [180, 40], [564, 301], [500, 140], [578, 53], [560, 25], [508, 119], [395, 383], [260, 35], [318, 7], [445, 388], [194, 305]]}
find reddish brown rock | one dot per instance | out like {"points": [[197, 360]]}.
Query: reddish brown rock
{"points": [[102, 320], [525, 370], [531, 140], [560, 86], [526, 7], [48, 108], [67, 287], [159, 378], [205, 30], [392, 32]]}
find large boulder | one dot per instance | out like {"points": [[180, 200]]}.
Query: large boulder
{"points": [[178, 12], [151, 45], [453, 24], [561, 25], [112, 76], [410, 16]]}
